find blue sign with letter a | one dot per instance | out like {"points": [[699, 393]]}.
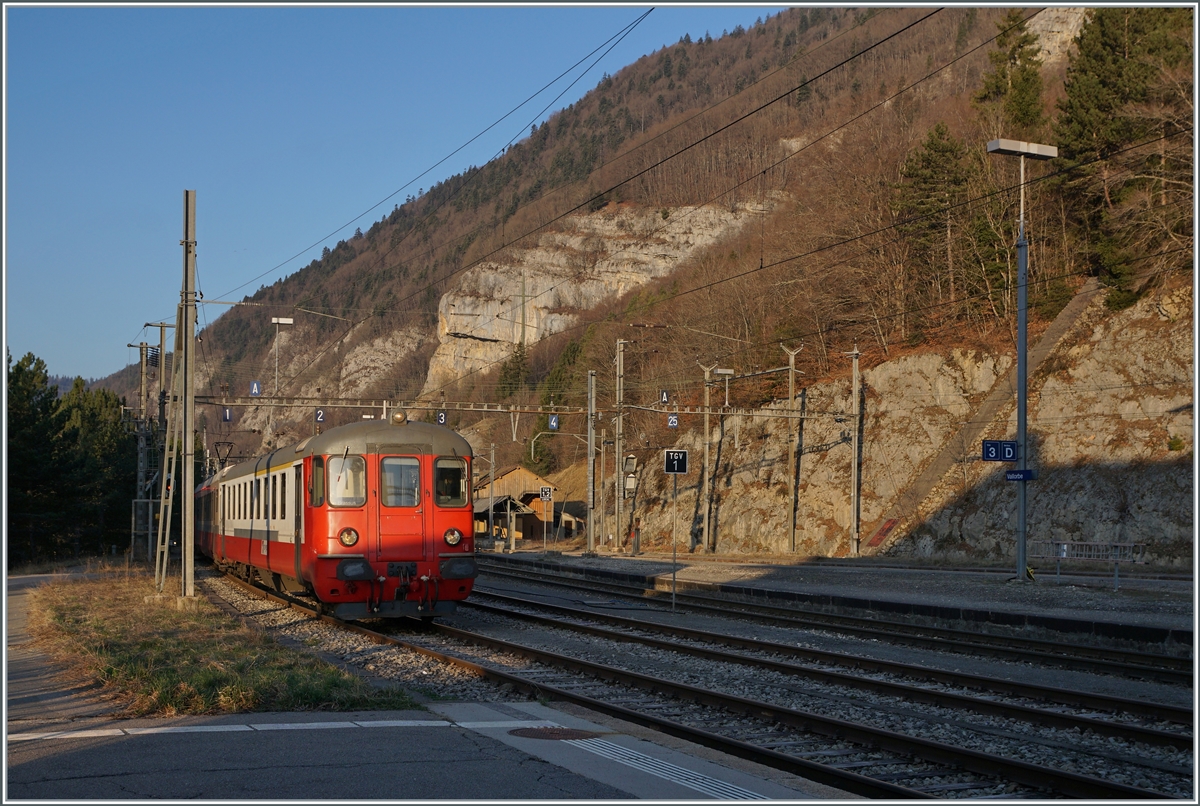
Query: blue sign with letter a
{"points": [[255, 389]]}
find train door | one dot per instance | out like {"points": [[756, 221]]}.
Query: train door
{"points": [[298, 516], [223, 509], [402, 509]]}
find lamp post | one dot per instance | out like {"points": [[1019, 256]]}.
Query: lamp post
{"points": [[277, 321], [1037, 151]]}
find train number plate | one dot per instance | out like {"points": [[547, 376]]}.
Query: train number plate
{"points": [[402, 569]]}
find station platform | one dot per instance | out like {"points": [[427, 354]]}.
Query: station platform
{"points": [[1152, 608], [64, 742]]}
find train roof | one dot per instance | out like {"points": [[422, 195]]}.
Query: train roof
{"points": [[396, 434]]}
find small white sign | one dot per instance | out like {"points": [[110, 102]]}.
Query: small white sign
{"points": [[547, 493]]}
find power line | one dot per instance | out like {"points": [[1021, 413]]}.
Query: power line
{"points": [[622, 33]]}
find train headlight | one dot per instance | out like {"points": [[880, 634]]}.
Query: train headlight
{"points": [[453, 536], [348, 537]]}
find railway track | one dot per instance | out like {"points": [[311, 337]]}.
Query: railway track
{"points": [[860, 758], [1078, 657], [1118, 712]]}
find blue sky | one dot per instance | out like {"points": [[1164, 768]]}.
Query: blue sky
{"points": [[289, 123]]}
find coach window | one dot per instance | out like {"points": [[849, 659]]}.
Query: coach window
{"points": [[283, 496], [401, 481], [256, 500], [450, 482], [316, 483], [347, 481]]}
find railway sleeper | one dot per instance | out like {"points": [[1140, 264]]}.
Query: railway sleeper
{"points": [[875, 762]]}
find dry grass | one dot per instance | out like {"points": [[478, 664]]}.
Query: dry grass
{"points": [[159, 661]]}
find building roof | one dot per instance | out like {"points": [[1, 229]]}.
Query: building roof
{"points": [[501, 505]]}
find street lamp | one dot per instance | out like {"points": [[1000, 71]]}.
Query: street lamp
{"points": [[277, 321], [1037, 151]]}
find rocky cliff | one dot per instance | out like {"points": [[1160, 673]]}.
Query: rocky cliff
{"points": [[1110, 421], [538, 291]]}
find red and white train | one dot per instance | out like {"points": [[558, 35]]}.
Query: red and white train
{"points": [[373, 519]]}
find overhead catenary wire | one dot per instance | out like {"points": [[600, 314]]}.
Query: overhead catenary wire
{"points": [[621, 156], [777, 263], [665, 159], [891, 227], [619, 35], [739, 184], [746, 115]]}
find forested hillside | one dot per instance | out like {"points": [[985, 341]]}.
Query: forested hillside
{"points": [[854, 142]]}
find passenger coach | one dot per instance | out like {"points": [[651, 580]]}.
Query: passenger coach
{"points": [[373, 519]]}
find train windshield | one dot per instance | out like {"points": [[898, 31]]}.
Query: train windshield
{"points": [[347, 477], [450, 482], [401, 481]]}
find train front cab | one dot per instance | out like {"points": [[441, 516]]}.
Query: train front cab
{"points": [[392, 533]]}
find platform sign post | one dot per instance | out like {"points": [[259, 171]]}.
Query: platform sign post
{"points": [[999, 450], [675, 463], [547, 496]]}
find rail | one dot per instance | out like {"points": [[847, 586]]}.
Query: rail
{"points": [[1115, 553]]}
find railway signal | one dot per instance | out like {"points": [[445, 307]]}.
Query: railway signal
{"points": [[546, 494]]}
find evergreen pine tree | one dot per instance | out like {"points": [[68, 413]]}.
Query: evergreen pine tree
{"points": [[1014, 84], [933, 181], [1118, 194]]}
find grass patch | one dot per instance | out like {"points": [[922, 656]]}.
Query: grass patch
{"points": [[164, 662]]}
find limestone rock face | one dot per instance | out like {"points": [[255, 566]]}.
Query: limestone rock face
{"points": [[1056, 29], [1111, 433], [534, 292]]}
